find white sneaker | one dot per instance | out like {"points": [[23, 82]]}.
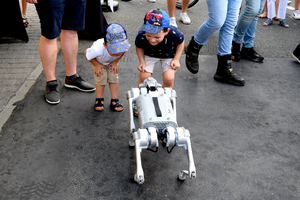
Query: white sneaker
{"points": [[296, 14], [185, 18], [152, 1], [173, 22]]}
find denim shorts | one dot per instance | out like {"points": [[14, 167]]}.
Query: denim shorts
{"points": [[60, 14]]}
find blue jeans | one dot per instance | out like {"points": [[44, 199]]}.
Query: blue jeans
{"points": [[246, 24], [223, 15]]}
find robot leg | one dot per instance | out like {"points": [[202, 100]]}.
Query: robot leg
{"points": [[143, 139], [184, 141]]}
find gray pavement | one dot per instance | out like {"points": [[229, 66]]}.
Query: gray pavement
{"points": [[245, 140]]}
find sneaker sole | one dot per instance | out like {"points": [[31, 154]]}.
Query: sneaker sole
{"points": [[75, 87], [52, 102], [185, 22], [295, 57]]}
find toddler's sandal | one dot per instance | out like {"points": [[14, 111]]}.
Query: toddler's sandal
{"points": [[116, 105], [99, 106]]}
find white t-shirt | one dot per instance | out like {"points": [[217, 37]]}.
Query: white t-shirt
{"points": [[98, 51]]}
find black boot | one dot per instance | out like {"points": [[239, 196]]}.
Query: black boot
{"points": [[251, 54], [191, 56], [225, 72], [236, 52]]}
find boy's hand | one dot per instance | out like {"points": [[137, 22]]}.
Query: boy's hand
{"points": [[98, 70], [141, 67], [114, 67], [175, 65]]}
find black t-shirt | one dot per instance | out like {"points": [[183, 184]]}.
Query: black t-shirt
{"points": [[165, 49]]}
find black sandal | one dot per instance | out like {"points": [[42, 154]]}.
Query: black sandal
{"points": [[25, 22], [99, 103], [117, 105]]}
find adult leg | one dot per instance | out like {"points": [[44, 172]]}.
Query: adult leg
{"points": [[224, 71], [69, 46], [171, 10], [271, 9], [247, 20], [296, 14], [216, 18], [248, 51], [183, 15], [48, 54], [246, 23], [24, 7], [281, 11]]}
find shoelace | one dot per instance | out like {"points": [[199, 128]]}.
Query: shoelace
{"points": [[78, 79]]}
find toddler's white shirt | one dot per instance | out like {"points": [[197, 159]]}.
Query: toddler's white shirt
{"points": [[98, 51]]}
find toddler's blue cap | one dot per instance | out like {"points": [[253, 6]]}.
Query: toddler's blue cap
{"points": [[116, 38]]}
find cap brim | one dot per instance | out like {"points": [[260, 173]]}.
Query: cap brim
{"points": [[149, 28]]}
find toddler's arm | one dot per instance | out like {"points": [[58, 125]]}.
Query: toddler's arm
{"points": [[97, 66], [140, 54], [175, 65]]}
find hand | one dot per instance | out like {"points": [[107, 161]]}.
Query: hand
{"points": [[175, 65], [114, 67], [98, 70], [141, 67]]}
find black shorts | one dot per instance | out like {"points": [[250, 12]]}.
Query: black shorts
{"points": [[60, 14]]}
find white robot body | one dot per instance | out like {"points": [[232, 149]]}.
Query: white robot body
{"points": [[156, 108]]}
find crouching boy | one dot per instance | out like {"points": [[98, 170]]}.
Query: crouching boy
{"points": [[158, 41], [104, 55]]}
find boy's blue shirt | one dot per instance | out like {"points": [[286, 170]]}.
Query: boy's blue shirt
{"points": [[165, 49]]}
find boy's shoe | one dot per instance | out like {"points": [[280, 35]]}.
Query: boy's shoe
{"points": [[296, 53], [152, 1], [296, 14], [185, 18], [51, 94], [173, 22], [78, 83]]}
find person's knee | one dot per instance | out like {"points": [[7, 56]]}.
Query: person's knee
{"points": [[143, 76], [168, 81]]}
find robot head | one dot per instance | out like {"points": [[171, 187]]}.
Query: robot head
{"points": [[151, 84]]}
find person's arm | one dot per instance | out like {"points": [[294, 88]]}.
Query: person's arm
{"points": [[140, 54], [175, 65], [97, 66]]}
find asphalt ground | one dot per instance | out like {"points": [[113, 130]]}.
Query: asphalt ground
{"points": [[245, 140]]}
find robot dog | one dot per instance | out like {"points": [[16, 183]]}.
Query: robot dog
{"points": [[156, 108]]}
